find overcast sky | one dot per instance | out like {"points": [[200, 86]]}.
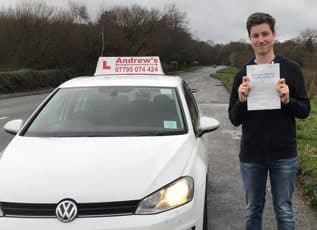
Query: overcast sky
{"points": [[221, 21]]}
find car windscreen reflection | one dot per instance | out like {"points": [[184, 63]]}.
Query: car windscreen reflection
{"points": [[110, 111]]}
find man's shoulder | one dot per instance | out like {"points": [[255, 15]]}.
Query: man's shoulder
{"points": [[243, 69], [289, 67], [286, 61]]}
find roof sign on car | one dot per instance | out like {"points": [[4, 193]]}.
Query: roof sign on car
{"points": [[129, 65]]}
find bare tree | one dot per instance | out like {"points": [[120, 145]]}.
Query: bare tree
{"points": [[78, 12], [175, 18]]}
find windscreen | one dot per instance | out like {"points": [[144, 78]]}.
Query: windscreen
{"points": [[110, 111]]}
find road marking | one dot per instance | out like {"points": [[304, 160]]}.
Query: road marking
{"points": [[2, 118]]}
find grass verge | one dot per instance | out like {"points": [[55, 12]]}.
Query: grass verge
{"points": [[306, 140], [307, 151], [226, 76]]}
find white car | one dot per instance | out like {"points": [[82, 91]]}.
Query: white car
{"points": [[108, 153]]}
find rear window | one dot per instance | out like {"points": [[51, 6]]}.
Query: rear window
{"points": [[110, 111]]}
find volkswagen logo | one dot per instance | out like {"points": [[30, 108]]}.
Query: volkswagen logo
{"points": [[66, 211]]}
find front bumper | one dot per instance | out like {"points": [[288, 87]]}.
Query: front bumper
{"points": [[187, 217]]}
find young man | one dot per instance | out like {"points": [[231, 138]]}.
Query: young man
{"points": [[268, 142]]}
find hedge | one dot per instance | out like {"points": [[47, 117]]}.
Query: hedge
{"points": [[28, 80]]}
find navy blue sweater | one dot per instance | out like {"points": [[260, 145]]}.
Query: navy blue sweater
{"points": [[270, 134]]}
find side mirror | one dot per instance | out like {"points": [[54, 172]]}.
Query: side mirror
{"points": [[12, 127], [207, 124]]}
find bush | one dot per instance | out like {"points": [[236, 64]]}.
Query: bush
{"points": [[27, 80], [311, 81]]}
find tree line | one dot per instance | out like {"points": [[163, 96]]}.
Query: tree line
{"points": [[38, 36]]}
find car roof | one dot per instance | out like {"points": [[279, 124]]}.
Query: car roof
{"points": [[124, 80]]}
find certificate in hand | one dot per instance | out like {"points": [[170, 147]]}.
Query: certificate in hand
{"points": [[263, 94]]}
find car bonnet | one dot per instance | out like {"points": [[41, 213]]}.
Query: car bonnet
{"points": [[90, 169]]}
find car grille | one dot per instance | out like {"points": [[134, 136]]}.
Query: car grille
{"points": [[84, 209]]}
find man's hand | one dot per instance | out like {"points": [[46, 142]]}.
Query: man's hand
{"points": [[283, 91], [244, 89]]}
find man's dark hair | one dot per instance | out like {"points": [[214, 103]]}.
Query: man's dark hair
{"points": [[260, 18]]}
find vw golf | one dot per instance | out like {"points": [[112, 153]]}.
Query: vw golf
{"points": [[108, 153]]}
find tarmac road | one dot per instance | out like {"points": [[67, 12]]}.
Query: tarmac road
{"points": [[16, 108], [225, 193]]}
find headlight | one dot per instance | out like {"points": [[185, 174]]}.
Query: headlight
{"points": [[171, 196]]}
